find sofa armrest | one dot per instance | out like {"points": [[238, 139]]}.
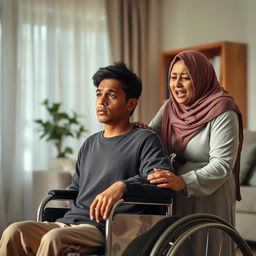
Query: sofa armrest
{"points": [[247, 204]]}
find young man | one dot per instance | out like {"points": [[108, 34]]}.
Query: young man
{"points": [[107, 161]]}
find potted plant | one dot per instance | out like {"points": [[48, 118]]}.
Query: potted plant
{"points": [[60, 126]]}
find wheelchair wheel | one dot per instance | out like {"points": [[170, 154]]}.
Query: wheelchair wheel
{"points": [[240, 247], [180, 227]]}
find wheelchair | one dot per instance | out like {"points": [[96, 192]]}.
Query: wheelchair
{"points": [[151, 235]]}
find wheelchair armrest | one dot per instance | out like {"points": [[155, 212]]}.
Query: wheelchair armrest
{"points": [[63, 194], [135, 192], [55, 195], [138, 192]]}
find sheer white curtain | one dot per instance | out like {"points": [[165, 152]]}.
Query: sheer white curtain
{"points": [[49, 49]]}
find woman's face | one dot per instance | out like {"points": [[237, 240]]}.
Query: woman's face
{"points": [[180, 83]]}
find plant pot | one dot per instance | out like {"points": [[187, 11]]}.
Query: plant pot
{"points": [[62, 164]]}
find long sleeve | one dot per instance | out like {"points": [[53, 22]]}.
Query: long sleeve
{"points": [[151, 155], [211, 155]]}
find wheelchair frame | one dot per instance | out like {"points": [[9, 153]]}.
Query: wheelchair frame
{"points": [[165, 199], [173, 237]]}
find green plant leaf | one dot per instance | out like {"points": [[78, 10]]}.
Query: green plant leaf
{"points": [[61, 115], [68, 150], [45, 102], [61, 155], [39, 121], [59, 126]]}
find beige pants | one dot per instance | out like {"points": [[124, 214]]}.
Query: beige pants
{"points": [[49, 238]]}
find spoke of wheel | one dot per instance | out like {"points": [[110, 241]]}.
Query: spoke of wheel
{"points": [[180, 226], [207, 243], [220, 249]]}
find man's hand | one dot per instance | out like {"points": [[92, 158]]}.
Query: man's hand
{"points": [[102, 204], [166, 179]]}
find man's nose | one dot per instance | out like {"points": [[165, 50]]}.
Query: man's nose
{"points": [[103, 100]]}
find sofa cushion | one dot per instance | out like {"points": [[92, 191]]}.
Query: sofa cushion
{"points": [[249, 136], [247, 204], [252, 178], [246, 225], [248, 158]]}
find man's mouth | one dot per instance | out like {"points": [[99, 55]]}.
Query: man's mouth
{"points": [[102, 111]]}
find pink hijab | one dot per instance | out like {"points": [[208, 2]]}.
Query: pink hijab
{"points": [[183, 122]]}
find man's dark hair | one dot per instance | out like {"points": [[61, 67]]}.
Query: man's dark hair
{"points": [[131, 83]]}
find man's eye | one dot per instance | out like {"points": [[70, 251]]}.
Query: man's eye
{"points": [[98, 95], [112, 95]]}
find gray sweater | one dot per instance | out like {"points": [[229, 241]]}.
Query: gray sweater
{"points": [[103, 161]]}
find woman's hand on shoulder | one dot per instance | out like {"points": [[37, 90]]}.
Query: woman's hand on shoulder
{"points": [[141, 125], [166, 179]]}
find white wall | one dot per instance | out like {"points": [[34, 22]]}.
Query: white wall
{"points": [[193, 22]]}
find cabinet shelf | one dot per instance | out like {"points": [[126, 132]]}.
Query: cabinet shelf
{"points": [[229, 60]]}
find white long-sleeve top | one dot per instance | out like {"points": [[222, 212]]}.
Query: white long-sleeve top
{"points": [[208, 169]]}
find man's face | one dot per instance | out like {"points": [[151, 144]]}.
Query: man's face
{"points": [[111, 104]]}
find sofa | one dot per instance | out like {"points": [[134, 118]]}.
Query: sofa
{"points": [[246, 208]]}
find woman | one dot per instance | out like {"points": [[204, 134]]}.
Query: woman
{"points": [[202, 127]]}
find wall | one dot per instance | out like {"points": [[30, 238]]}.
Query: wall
{"points": [[193, 22]]}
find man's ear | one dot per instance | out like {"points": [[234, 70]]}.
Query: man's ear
{"points": [[132, 104]]}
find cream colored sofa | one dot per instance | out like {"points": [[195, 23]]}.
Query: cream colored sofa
{"points": [[246, 208]]}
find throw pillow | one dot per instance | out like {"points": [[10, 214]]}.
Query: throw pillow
{"points": [[248, 158]]}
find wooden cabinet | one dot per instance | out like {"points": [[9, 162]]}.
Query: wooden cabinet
{"points": [[229, 60]]}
